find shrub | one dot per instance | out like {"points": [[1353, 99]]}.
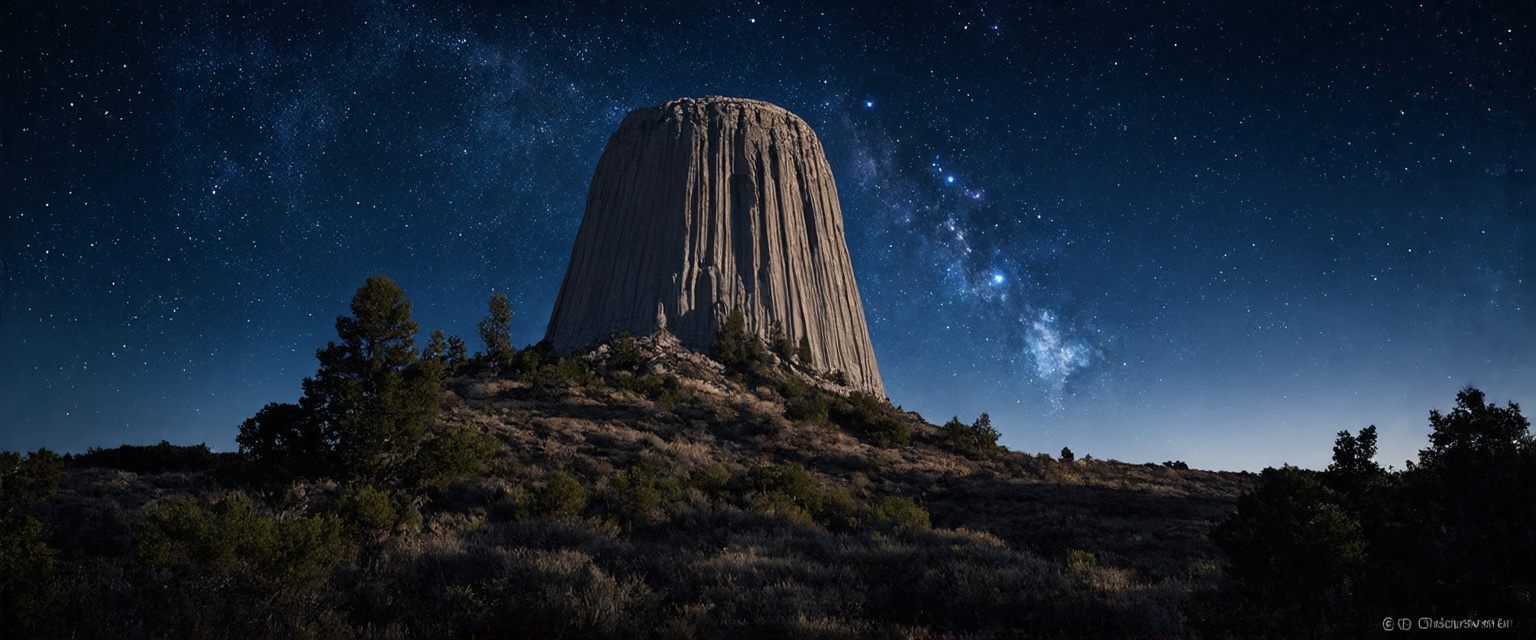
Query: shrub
{"points": [[626, 352], [562, 496], [286, 441], [811, 407], [453, 452], [1290, 542], [642, 490], [778, 343], [789, 493], [741, 352], [978, 438], [862, 413], [366, 512], [529, 360], [836, 377], [158, 458], [1080, 559], [1066, 455], [1176, 464], [26, 560], [901, 514], [666, 389], [712, 480], [27, 479], [568, 370]]}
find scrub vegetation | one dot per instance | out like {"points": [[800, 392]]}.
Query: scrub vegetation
{"points": [[637, 488]]}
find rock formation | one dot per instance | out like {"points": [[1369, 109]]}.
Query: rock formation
{"points": [[702, 206]]}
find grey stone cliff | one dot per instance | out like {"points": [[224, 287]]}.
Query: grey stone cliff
{"points": [[699, 206]]}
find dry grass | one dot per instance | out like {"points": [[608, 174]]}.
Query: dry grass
{"points": [[705, 559]]}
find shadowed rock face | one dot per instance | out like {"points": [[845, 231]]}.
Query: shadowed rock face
{"points": [[699, 206]]}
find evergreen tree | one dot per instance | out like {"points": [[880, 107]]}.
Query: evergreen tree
{"points": [[369, 414], [1297, 552], [457, 352], [976, 438], [734, 347], [778, 343], [437, 347], [496, 333], [803, 352], [287, 442], [1354, 466], [372, 399]]}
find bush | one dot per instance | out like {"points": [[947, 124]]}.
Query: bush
{"points": [[27, 479], [1176, 464], [562, 496], [811, 407], [1453, 535], [366, 512], [626, 353], [642, 491], [453, 452], [666, 389], [864, 414], [178, 531], [741, 352], [1066, 455], [901, 514], [158, 458], [1294, 548], [26, 560], [978, 438], [572, 370], [785, 492], [712, 480]]}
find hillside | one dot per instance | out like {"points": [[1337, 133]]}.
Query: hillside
{"points": [[704, 504]]}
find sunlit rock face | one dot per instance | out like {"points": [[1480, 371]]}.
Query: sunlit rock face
{"points": [[701, 206]]}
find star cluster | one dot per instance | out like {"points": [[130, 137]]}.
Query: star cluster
{"points": [[1191, 231]]}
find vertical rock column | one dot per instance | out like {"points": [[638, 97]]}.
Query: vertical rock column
{"points": [[701, 206]]}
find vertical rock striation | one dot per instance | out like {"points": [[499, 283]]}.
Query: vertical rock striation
{"points": [[701, 206]]}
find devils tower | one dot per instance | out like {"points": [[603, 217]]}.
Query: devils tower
{"points": [[701, 206]]}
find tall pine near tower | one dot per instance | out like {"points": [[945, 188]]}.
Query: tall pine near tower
{"points": [[373, 398], [496, 333]]}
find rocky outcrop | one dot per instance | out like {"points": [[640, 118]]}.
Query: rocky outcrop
{"points": [[701, 206]]}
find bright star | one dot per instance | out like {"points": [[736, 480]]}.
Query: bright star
{"points": [[949, 179], [997, 278], [869, 104]]}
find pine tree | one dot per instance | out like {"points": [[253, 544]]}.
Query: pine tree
{"points": [[437, 347], [737, 349], [496, 333], [778, 343], [372, 399], [457, 353], [803, 352]]}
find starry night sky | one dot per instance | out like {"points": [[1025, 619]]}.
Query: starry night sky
{"points": [[1214, 232]]}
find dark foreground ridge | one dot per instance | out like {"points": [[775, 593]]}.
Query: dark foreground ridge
{"points": [[642, 489]]}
